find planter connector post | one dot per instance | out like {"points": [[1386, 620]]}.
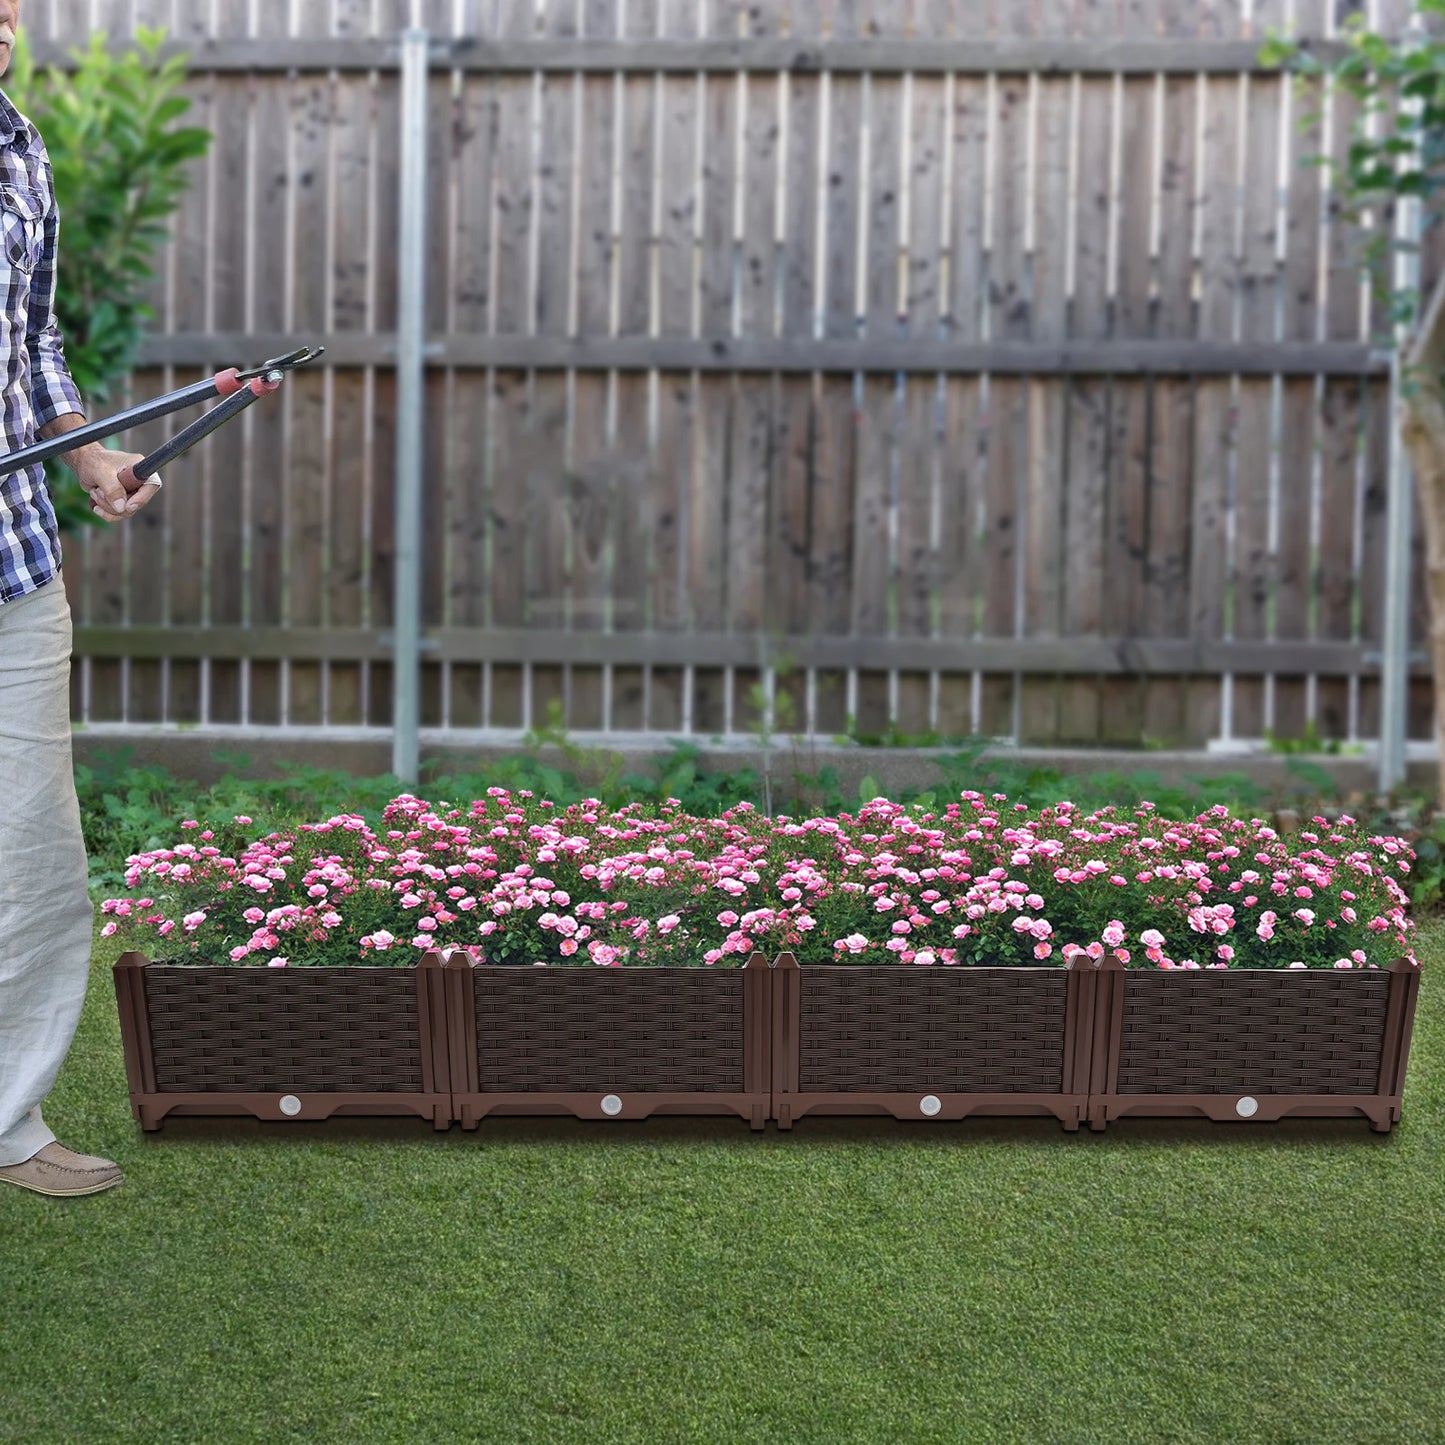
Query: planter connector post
{"points": [[436, 1071], [1108, 1025], [135, 1031], [410, 344], [1399, 1023], [1078, 1033], [758, 1037], [787, 976]]}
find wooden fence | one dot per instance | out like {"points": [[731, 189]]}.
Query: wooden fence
{"points": [[939, 365]]}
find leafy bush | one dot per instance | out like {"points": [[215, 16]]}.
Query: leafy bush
{"points": [[1427, 892], [121, 166]]}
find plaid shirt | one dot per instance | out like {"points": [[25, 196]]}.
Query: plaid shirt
{"points": [[36, 382]]}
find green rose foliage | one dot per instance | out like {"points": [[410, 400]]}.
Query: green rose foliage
{"points": [[121, 163], [1395, 86]]}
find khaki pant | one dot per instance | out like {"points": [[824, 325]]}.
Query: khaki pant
{"points": [[45, 910]]}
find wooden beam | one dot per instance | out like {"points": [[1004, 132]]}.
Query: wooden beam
{"points": [[758, 54], [791, 356], [319, 644], [1036, 655]]}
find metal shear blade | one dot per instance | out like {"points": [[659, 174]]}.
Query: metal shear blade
{"points": [[291, 359]]}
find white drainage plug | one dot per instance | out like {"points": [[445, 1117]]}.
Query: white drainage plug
{"points": [[1247, 1107], [290, 1105], [611, 1105], [930, 1104]]}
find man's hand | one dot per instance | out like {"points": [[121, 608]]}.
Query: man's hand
{"points": [[106, 476], [108, 480]]}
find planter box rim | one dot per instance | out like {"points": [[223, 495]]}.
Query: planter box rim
{"points": [[1398, 964], [133, 958], [607, 968]]}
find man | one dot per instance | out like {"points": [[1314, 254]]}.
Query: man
{"points": [[45, 910]]}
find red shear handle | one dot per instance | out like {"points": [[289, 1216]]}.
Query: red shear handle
{"points": [[229, 382]]}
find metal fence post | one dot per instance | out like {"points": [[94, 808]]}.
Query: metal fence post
{"points": [[410, 341], [1399, 514]]}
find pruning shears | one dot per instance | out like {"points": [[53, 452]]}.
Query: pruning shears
{"points": [[238, 390]]}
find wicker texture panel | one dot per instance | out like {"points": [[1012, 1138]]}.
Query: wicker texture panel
{"points": [[951, 1030], [580, 1029], [249, 1029], [1252, 1032]]}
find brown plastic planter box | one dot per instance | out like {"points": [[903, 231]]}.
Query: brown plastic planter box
{"points": [[921, 1043], [602, 1043], [300, 1043], [464, 1040], [1255, 1044]]}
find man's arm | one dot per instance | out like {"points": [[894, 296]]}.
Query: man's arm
{"points": [[106, 476]]}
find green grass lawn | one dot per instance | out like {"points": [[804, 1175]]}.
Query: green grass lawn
{"points": [[677, 1280]]}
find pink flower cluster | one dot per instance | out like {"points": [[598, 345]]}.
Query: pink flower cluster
{"points": [[514, 879]]}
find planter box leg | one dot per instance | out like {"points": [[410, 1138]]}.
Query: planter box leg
{"points": [[1384, 1117], [1071, 1126], [151, 1117], [785, 1115], [760, 1117], [441, 1118]]}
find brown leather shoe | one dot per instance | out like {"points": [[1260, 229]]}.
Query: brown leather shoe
{"points": [[62, 1172]]}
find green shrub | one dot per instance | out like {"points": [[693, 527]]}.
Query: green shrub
{"points": [[127, 809], [121, 166]]}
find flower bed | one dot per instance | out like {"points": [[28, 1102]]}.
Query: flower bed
{"points": [[514, 879], [1045, 936]]}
